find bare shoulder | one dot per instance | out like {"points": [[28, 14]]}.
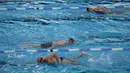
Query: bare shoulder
{"points": [[59, 42]]}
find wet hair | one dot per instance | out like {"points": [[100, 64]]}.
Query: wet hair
{"points": [[87, 9], [39, 59], [71, 39]]}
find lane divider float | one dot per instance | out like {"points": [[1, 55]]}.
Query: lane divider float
{"points": [[65, 50]]}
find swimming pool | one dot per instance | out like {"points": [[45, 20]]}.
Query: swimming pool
{"points": [[34, 24]]}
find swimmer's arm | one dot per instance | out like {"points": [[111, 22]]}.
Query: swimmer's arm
{"points": [[82, 54], [29, 44], [54, 56]]}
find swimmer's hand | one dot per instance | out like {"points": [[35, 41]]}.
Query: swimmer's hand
{"points": [[85, 53]]}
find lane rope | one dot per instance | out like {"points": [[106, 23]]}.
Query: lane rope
{"points": [[58, 8], [65, 50]]}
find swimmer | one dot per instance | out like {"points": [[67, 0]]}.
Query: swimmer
{"points": [[102, 10], [99, 10], [120, 0], [50, 44], [53, 59]]}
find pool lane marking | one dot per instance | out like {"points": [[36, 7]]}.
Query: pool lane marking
{"points": [[127, 6], [117, 49], [56, 8], [20, 8], [59, 8], [40, 8], [73, 49], [65, 50], [31, 50], [9, 51], [54, 50], [74, 8], [3, 8], [95, 49]]}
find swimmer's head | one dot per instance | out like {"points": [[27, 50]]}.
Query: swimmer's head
{"points": [[87, 9], [40, 59], [71, 40], [90, 9]]}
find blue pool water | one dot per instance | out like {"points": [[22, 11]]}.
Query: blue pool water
{"points": [[90, 30]]}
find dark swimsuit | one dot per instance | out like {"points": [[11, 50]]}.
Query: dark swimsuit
{"points": [[61, 59], [68, 61], [99, 12], [47, 45]]}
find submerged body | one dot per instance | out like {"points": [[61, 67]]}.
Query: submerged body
{"points": [[100, 10], [103, 10], [52, 59], [50, 44]]}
